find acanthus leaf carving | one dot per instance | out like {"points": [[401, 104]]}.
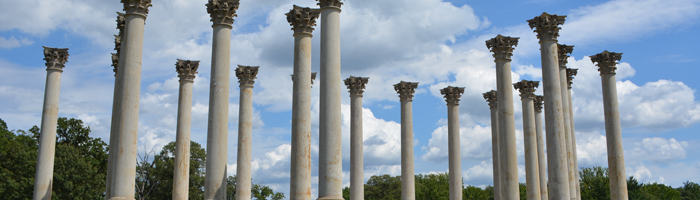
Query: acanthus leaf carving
{"points": [[302, 19], [539, 103], [247, 75], [570, 73], [186, 69], [356, 85], [527, 88], [222, 11], [606, 61], [452, 94], [564, 51], [491, 97], [502, 46], [137, 6], [406, 90], [55, 58], [547, 26]]}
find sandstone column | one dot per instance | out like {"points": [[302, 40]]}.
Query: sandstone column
{"points": [[356, 85], [532, 174], [452, 95], [563, 51], [113, 141], [330, 164], [502, 48], [406, 91], [186, 70], [613, 131], [541, 157], [246, 77], [302, 21], [547, 29], [491, 97], [570, 73], [222, 13], [129, 80], [55, 62]]}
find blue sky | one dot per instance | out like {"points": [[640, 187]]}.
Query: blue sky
{"points": [[434, 42]]}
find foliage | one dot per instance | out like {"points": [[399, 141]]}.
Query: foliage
{"points": [[595, 183], [476, 193], [258, 191], [18, 154]]}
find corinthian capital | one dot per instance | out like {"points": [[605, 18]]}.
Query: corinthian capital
{"points": [[247, 75], [55, 58], [526, 88], [539, 103], [186, 69], [564, 51], [570, 73], [121, 23], [502, 46], [547, 26], [606, 61], [137, 6], [222, 11], [302, 19], [356, 85], [452, 94], [115, 62], [406, 90], [329, 3], [490, 97], [117, 43]]}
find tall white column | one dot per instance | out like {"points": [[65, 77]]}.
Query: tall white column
{"points": [[129, 80], [187, 71], [222, 13], [302, 21], [246, 77], [502, 48], [406, 91], [564, 51], [491, 97], [356, 85], [570, 73], [55, 62], [613, 131], [330, 164], [541, 157], [532, 173], [547, 28], [452, 95], [113, 136]]}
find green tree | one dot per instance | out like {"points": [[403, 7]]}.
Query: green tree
{"points": [[689, 191], [257, 191], [155, 177], [595, 183], [476, 193], [383, 187], [433, 186], [18, 152]]}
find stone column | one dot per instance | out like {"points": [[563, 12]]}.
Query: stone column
{"points": [[502, 48], [129, 80], [491, 97], [55, 62], [541, 157], [570, 73], [532, 174], [222, 13], [356, 85], [302, 21], [246, 77], [452, 95], [186, 70], [613, 131], [563, 51], [547, 28], [113, 136], [330, 164], [406, 91]]}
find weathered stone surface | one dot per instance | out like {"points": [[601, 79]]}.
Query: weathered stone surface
{"points": [[547, 26], [502, 46], [491, 97], [532, 177], [452, 95], [356, 85], [222, 12], [137, 6], [186, 69], [55, 58], [302, 19], [329, 3], [406, 91], [247, 74], [606, 61]]}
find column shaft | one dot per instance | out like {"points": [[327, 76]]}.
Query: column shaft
{"points": [[301, 119], [47, 140], [330, 179], [130, 79], [613, 135], [532, 174], [567, 129], [507, 150], [217, 131], [181, 173], [245, 137], [573, 146], [454, 152], [114, 133], [408, 188], [357, 188], [497, 189], [541, 157]]}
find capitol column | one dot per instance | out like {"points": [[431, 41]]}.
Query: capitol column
{"points": [[406, 91], [532, 176], [613, 131], [541, 156], [356, 85], [222, 13], [570, 73], [547, 28], [452, 95], [113, 141], [330, 164], [246, 77], [502, 48], [129, 80], [186, 70], [56, 59], [491, 97], [302, 21], [564, 51]]}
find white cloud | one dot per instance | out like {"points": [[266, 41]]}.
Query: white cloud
{"points": [[659, 150], [13, 42]]}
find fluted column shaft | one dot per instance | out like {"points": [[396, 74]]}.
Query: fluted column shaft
{"points": [[532, 176], [55, 62], [547, 28], [181, 175], [330, 165], [406, 91], [356, 86], [541, 156], [246, 76], [452, 96]]}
